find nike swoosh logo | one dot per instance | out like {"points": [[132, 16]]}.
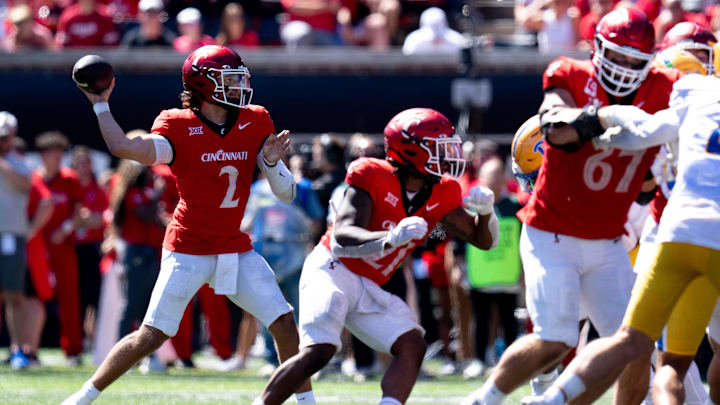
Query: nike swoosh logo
{"points": [[432, 207], [241, 127]]}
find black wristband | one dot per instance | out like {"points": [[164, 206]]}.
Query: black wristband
{"points": [[587, 124], [268, 164]]}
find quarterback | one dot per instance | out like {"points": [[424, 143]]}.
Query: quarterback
{"points": [[389, 208], [688, 237], [212, 146], [573, 223]]}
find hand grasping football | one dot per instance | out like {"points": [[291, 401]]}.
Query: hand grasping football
{"points": [[92, 74]]}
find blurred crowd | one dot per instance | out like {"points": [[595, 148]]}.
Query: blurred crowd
{"points": [[185, 25], [568, 25], [81, 253]]}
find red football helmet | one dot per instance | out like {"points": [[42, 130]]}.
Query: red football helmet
{"points": [[216, 74], [424, 139], [692, 36], [625, 31]]}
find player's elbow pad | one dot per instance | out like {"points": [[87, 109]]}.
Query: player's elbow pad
{"points": [[281, 181]]}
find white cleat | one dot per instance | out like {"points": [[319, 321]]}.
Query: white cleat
{"points": [[77, 399], [540, 400], [472, 399]]}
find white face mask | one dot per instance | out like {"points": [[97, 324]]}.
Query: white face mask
{"points": [[232, 86], [445, 155], [618, 80]]}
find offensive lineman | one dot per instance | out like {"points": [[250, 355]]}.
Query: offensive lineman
{"points": [[575, 218], [688, 237], [388, 209], [212, 146]]}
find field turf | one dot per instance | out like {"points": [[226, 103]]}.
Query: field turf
{"points": [[53, 382]]}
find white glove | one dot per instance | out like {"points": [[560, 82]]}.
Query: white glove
{"points": [[481, 199], [408, 229], [605, 140]]}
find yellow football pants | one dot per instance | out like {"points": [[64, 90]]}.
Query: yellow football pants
{"points": [[677, 268]]}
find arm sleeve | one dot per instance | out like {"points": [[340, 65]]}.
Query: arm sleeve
{"points": [[163, 149], [646, 130], [282, 182], [161, 129]]}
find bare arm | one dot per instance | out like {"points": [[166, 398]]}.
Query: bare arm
{"points": [[559, 98], [139, 148], [472, 228], [19, 180], [42, 216], [353, 218]]}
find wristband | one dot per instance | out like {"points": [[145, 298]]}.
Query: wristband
{"points": [[268, 163], [587, 124], [101, 107]]}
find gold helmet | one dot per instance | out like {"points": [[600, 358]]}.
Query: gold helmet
{"points": [[681, 60], [527, 152]]}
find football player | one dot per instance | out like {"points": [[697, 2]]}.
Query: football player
{"points": [[688, 238], [390, 207], [687, 47], [212, 146], [573, 223]]}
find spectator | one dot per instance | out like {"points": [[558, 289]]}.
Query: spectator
{"points": [[59, 238], [495, 275], [434, 36], [38, 287], [376, 29], [14, 188], [555, 21], [151, 31], [86, 24], [233, 31], [598, 9], [282, 234], [327, 162], [134, 202], [25, 32], [88, 237], [673, 13], [191, 28], [310, 23]]}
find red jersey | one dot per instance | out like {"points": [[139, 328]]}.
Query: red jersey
{"points": [[78, 30], [587, 194], [185, 44], [37, 256], [377, 177], [323, 21], [214, 174], [249, 38], [96, 201], [134, 230], [657, 205], [66, 194]]}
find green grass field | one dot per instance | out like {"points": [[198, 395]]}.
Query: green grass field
{"points": [[52, 383]]}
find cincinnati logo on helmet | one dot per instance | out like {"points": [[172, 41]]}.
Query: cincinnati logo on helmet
{"points": [[222, 156]]}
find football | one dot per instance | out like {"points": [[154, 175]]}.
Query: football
{"points": [[92, 73]]}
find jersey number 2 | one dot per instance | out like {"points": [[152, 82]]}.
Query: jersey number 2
{"points": [[228, 201], [595, 163]]}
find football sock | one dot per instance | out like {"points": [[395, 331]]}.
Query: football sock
{"points": [[695, 393], [571, 385], [389, 401], [542, 382], [490, 394], [305, 398]]}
